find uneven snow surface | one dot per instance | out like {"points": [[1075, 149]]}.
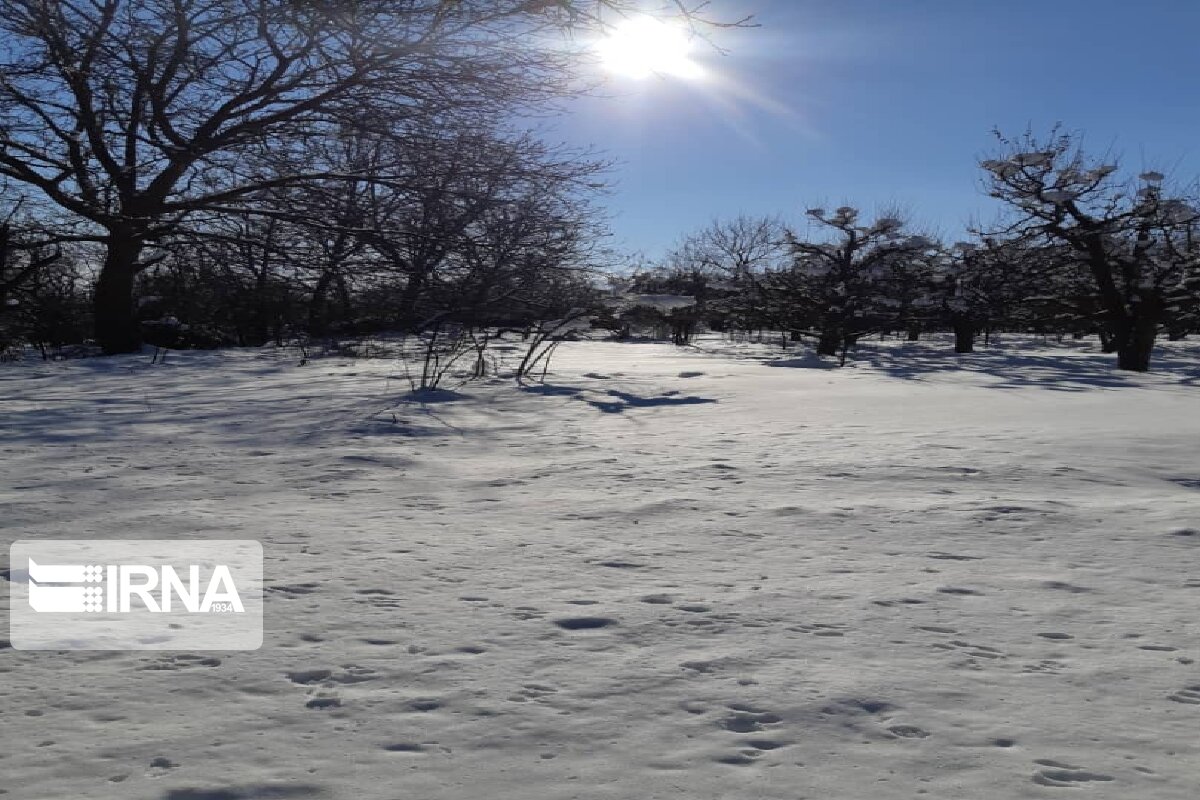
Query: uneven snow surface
{"points": [[709, 572]]}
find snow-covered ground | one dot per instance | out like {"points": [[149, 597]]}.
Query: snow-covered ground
{"points": [[666, 573]]}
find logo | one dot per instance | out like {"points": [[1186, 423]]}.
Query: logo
{"points": [[135, 594], [125, 583]]}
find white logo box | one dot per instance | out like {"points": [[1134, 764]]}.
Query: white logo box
{"points": [[136, 594]]}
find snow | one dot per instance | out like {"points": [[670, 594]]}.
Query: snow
{"points": [[726, 571], [1033, 159], [887, 225], [1100, 172], [1002, 169]]}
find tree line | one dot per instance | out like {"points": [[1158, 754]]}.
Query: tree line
{"points": [[198, 173], [1081, 249]]}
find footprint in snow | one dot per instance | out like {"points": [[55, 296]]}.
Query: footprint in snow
{"points": [[584, 623], [350, 673], [291, 591], [908, 732], [953, 557], [1064, 776], [854, 706], [528, 612], [973, 650], [738, 759], [1188, 694], [309, 676], [748, 719], [818, 629], [181, 661], [424, 704], [1063, 586], [904, 601], [532, 691], [323, 702]]}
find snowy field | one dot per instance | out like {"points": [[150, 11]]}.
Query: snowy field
{"points": [[666, 573]]}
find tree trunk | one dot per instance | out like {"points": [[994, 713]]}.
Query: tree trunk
{"points": [[410, 300], [829, 342], [260, 319], [318, 306], [964, 336], [116, 323], [1137, 345], [914, 332]]}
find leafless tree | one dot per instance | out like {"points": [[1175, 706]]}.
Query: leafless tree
{"points": [[736, 249], [846, 282], [133, 114], [1135, 237], [24, 253]]}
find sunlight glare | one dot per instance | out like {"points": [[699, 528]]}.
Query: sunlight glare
{"points": [[639, 48]]}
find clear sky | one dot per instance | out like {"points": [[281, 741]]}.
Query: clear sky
{"points": [[878, 102]]}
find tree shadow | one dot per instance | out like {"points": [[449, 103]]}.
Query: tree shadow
{"points": [[810, 361], [1062, 369], [551, 389], [1065, 372], [627, 400], [248, 792], [614, 401], [433, 396]]}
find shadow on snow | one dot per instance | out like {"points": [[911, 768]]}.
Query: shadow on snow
{"points": [[1065, 369]]}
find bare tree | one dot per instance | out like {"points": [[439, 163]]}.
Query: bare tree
{"points": [[736, 249], [1136, 240], [480, 220], [24, 253], [846, 285], [133, 114]]}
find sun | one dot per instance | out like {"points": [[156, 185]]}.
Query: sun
{"points": [[639, 48]]}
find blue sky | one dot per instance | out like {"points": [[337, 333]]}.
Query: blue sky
{"points": [[878, 102]]}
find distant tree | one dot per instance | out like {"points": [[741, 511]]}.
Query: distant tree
{"points": [[24, 254], [991, 282], [481, 223], [28, 257], [727, 261], [852, 281], [1135, 238]]}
